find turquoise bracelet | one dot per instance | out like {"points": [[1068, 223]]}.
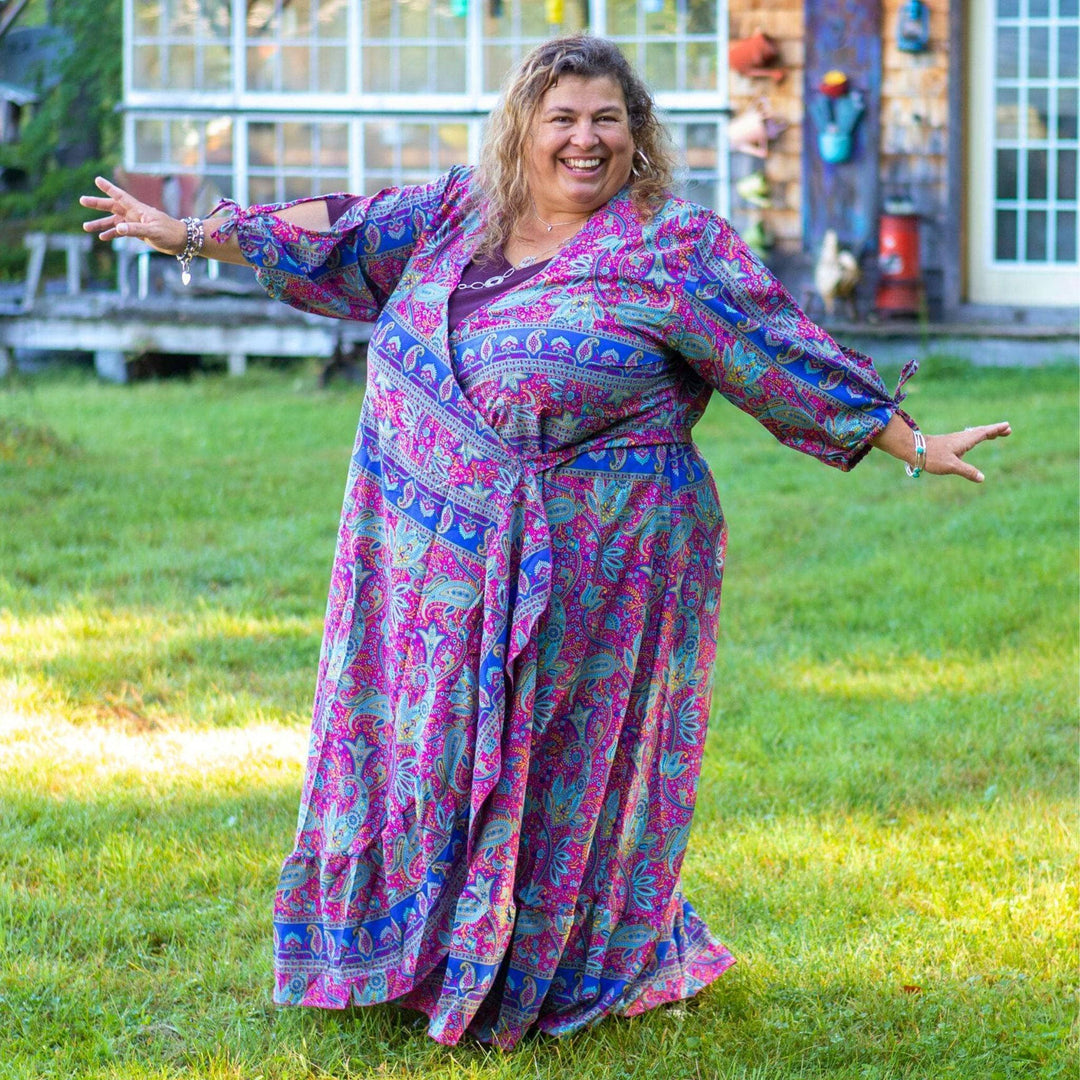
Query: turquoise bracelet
{"points": [[920, 456]]}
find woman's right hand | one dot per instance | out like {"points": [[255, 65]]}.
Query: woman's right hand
{"points": [[126, 216]]}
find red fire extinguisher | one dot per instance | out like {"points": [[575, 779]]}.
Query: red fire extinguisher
{"points": [[900, 286]]}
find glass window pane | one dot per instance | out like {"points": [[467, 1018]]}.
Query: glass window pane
{"points": [[498, 59], [452, 146], [414, 71], [333, 146], [450, 70], [1005, 235], [1067, 52], [333, 182], [1008, 9], [376, 18], [622, 17], [262, 18], [261, 67], [1066, 176], [701, 17], [1008, 53], [1036, 174], [333, 70], [219, 141], [333, 18], [184, 144], [1069, 7], [296, 18], [1038, 9], [262, 189], [296, 139], [296, 68], [1066, 120], [182, 67], [660, 71], [217, 70], [660, 18], [148, 15], [1065, 243], [149, 141], [1007, 113], [147, 73], [1038, 113], [1038, 52], [379, 145], [1035, 250], [1006, 174], [701, 146], [376, 61], [701, 65], [299, 187], [262, 144], [181, 17]]}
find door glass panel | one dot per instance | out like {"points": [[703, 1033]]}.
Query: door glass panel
{"points": [[1038, 52], [1066, 176], [1007, 113], [1007, 174], [1065, 248], [1005, 235], [1036, 236], [1008, 53], [1036, 174]]}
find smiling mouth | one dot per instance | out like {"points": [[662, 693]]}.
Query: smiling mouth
{"points": [[582, 164]]}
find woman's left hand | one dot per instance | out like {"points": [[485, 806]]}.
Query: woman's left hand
{"points": [[945, 453]]}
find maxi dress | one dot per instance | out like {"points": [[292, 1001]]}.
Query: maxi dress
{"points": [[516, 670]]}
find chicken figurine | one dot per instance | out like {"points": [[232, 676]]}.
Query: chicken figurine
{"points": [[836, 274]]}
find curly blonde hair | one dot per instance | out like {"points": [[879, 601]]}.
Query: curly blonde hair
{"points": [[501, 180]]}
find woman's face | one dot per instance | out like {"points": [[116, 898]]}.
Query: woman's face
{"points": [[580, 149]]}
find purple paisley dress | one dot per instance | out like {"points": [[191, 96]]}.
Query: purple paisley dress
{"points": [[516, 670]]}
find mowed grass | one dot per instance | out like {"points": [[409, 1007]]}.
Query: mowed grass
{"points": [[886, 826]]}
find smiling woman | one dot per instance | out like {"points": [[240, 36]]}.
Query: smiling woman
{"points": [[516, 670]]}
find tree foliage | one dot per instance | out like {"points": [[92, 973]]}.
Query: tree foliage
{"points": [[73, 132]]}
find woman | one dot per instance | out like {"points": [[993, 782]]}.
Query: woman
{"points": [[515, 675]]}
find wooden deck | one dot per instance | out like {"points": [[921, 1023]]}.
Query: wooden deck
{"points": [[114, 327]]}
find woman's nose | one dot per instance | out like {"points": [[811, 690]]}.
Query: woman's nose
{"points": [[585, 134]]}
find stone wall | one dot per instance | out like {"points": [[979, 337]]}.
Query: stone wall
{"points": [[914, 130]]}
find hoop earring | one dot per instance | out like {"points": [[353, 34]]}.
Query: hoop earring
{"points": [[634, 171]]}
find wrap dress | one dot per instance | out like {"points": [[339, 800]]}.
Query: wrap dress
{"points": [[515, 675]]}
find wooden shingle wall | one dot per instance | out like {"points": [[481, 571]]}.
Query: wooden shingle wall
{"points": [[914, 126]]}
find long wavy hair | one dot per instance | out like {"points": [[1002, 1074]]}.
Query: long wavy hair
{"points": [[503, 187]]}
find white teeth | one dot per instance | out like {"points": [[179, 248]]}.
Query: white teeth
{"points": [[582, 163]]}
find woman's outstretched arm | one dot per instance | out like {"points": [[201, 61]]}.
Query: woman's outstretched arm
{"points": [[126, 216]]}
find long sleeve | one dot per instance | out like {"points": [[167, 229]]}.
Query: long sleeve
{"points": [[349, 271], [739, 330]]}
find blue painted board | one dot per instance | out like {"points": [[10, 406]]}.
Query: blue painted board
{"points": [[843, 35]]}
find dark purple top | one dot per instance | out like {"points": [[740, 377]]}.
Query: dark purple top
{"points": [[463, 302]]}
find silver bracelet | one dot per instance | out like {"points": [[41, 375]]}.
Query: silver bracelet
{"points": [[920, 456], [193, 245]]}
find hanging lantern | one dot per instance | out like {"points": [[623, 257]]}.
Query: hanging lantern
{"points": [[913, 28]]}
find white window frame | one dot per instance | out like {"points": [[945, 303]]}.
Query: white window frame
{"points": [[1020, 280], [472, 105]]}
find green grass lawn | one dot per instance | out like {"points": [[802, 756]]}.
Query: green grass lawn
{"points": [[886, 827]]}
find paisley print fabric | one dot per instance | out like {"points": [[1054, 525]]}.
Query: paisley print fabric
{"points": [[516, 672]]}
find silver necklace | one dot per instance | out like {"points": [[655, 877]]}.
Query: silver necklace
{"points": [[556, 224], [498, 279]]}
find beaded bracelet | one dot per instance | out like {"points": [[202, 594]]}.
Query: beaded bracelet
{"points": [[920, 456], [193, 245]]}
